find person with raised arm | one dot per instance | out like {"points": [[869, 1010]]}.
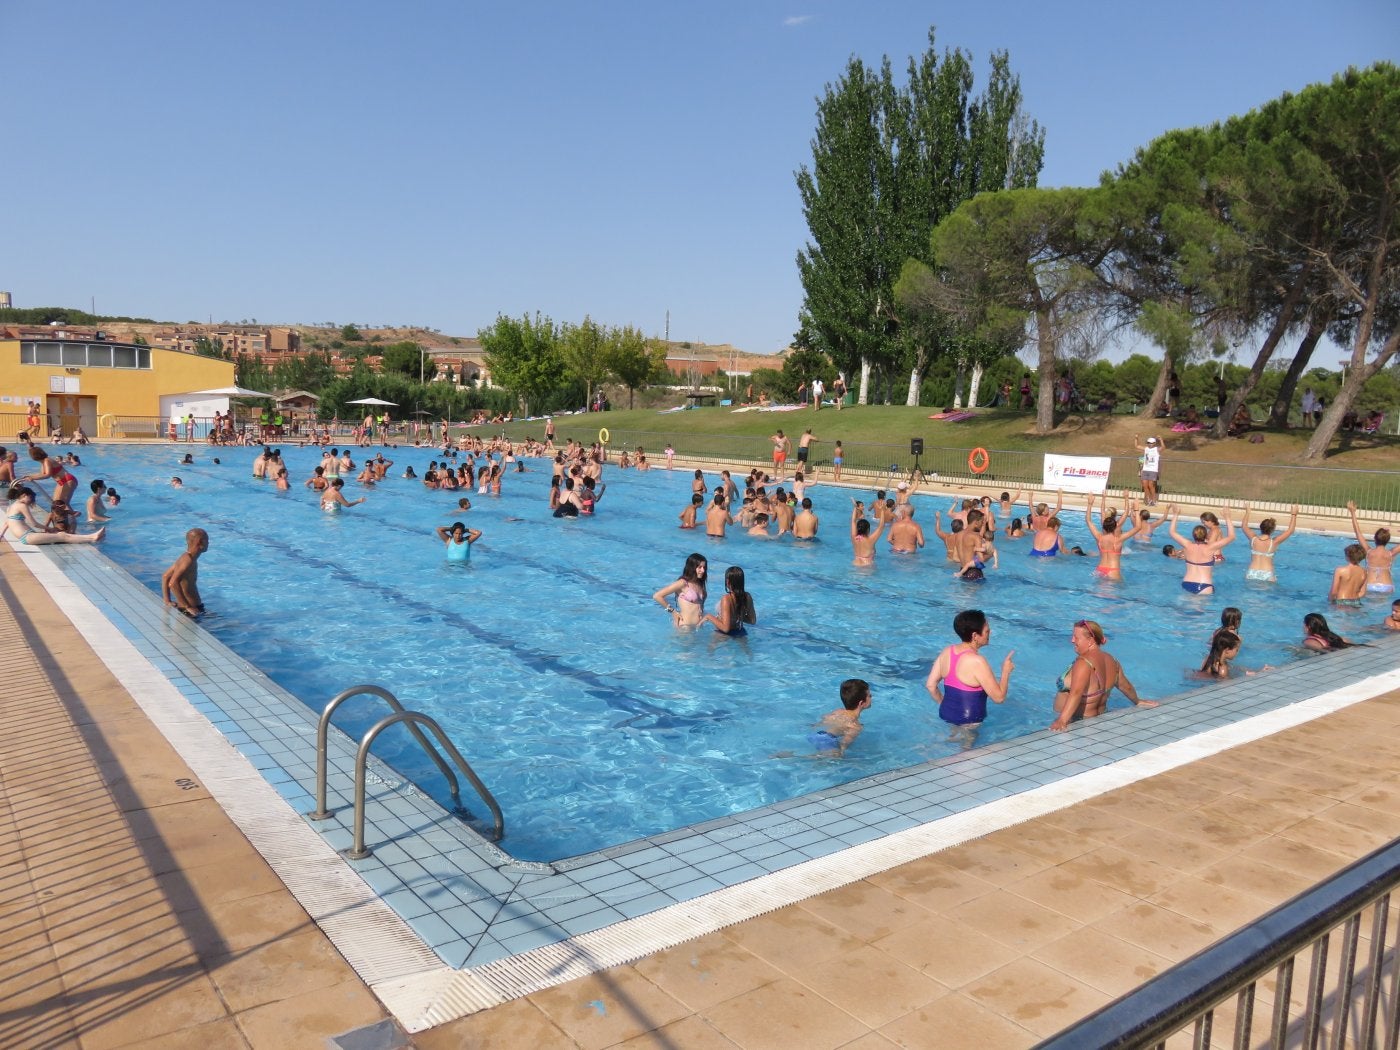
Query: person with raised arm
{"points": [[1041, 514], [1151, 468], [1109, 539], [862, 539], [1378, 556], [1262, 547], [961, 680], [1200, 554]]}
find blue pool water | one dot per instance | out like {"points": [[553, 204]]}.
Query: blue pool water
{"points": [[591, 718]]}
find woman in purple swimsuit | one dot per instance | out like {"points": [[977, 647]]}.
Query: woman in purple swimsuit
{"points": [[967, 678]]}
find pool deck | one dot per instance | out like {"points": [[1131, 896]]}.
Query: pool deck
{"points": [[133, 911]]}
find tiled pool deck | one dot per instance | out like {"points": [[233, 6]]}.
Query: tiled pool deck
{"points": [[466, 928]]}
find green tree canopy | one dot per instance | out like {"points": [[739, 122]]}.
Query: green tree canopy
{"points": [[523, 356], [634, 359], [1012, 257], [407, 358], [584, 348], [888, 163]]}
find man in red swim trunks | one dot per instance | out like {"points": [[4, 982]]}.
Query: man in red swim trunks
{"points": [[781, 447]]}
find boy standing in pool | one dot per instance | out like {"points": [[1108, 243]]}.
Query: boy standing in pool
{"points": [[1349, 580], [179, 586], [838, 729]]}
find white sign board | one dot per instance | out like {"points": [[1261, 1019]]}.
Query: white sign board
{"points": [[1077, 473]]}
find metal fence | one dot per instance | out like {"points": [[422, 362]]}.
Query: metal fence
{"points": [[1270, 488], [1324, 932]]}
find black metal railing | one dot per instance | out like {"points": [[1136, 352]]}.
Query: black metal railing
{"points": [[1343, 1005]]}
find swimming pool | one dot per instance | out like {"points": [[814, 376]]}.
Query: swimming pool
{"points": [[592, 719]]}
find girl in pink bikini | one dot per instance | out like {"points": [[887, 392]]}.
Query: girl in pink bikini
{"points": [[1109, 539]]}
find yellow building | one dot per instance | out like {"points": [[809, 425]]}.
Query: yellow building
{"points": [[80, 378]]}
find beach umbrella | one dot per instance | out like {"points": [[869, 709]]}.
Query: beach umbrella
{"points": [[373, 401]]}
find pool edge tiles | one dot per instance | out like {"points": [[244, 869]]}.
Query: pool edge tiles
{"points": [[530, 926]]}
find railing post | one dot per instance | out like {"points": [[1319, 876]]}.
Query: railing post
{"points": [[359, 851], [323, 733]]}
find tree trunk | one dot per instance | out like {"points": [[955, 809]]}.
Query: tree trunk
{"points": [[1045, 401], [864, 398], [1283, 403], [1266, 351], [1346, 396], [974, 384], [1159, 392], [958, 387], [916, 380]]}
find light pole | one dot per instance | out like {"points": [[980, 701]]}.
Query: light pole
{"points": [[422, 357]]}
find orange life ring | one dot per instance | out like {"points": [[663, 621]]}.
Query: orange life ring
{"points": [[978, 460]]}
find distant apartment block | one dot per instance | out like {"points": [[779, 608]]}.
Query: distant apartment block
{"points": [[253, 340]]}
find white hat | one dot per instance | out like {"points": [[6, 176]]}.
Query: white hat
{"points": [[902, 485], [1152, 441]]}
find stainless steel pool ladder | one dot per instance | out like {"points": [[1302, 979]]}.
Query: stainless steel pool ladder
{"points": [[412, 719]]}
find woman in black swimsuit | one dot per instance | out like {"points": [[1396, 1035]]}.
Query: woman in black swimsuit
{"points": [[735, 608]]}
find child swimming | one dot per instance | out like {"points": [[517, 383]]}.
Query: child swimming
{"points": [[838, 729]]}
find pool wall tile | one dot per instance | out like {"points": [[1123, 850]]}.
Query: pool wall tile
{"points": [[476, 904]]}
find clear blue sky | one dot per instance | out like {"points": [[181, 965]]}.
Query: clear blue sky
{"points": [[442, 161]]}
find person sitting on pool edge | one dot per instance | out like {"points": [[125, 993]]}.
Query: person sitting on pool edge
{"points": [[459, 540], [23, 527], [966, 678], [838, 729]]}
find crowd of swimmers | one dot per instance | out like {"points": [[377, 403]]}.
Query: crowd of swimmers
{"points": [[960, 680], [62, 521]]}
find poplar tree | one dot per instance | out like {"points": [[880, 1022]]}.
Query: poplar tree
{"points": [[889, 163]]}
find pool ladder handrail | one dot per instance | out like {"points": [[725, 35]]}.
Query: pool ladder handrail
{"points": [[413, 719]]}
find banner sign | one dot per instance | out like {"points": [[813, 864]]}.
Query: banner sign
{"points": [[1077, 473]]}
